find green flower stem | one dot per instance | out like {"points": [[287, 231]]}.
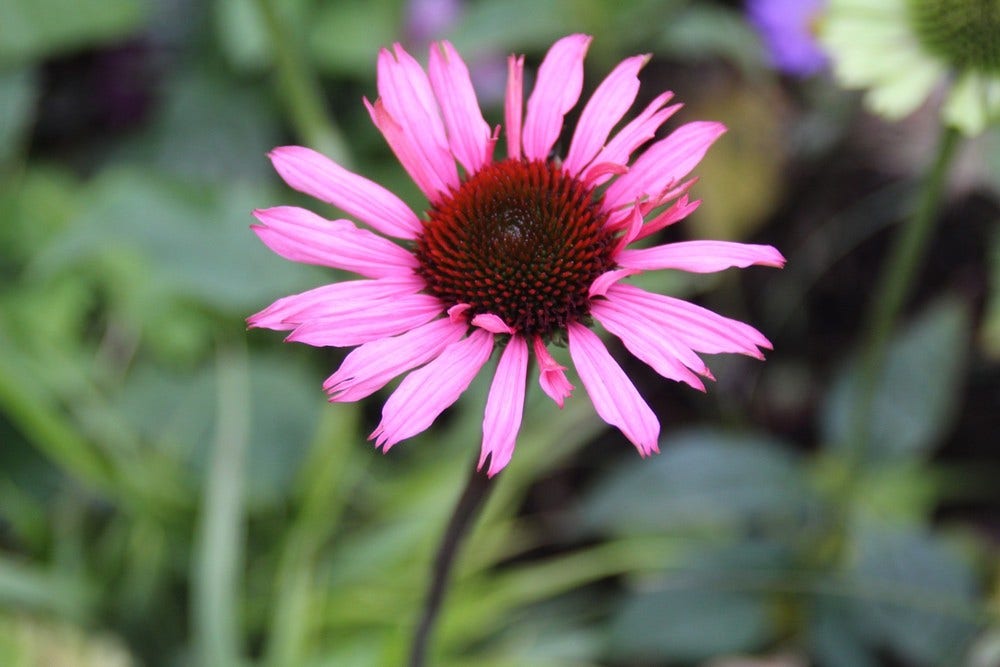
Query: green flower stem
{"points": [[901, 268], [477, 490], [300, 90]]}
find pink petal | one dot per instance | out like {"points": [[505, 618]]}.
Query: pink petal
{"points": [[649, 343], [601, 284], [675, 213], [491, 323], [363, 321], [317, 176], [291, 311], [405, 150], [700, 256], [370, 367], [598, 172], [514, 105], [664, 163], [406, 93], [428, 391], [557, 88], [551, 376], [504, 406], [468, 132], [631, 223], [302, 236], [661, 199], [698, 328], [640, 130], [614, 396], [605, 109], [457, 312]]}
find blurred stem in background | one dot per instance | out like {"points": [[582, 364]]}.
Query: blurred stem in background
{"points": [[218, 560], [895, 285], [300, 90]]}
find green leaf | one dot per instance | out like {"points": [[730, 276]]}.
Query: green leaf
{"points": [[35, 29], [702, 479], [688, 625], [519, 25], [242, 36], [176, 412], [920, 595], [158, 239], [41, 203], [918, 391], [835, 636], [27, 586], [704, 30], [209, 128], [360, 27]]}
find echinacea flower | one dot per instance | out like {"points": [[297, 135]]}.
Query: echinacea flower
{"points": [[515, 254], [902, 50], [788, 29]]}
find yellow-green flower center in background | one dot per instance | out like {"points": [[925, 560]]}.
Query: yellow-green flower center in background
{"points": [[964, 33]]}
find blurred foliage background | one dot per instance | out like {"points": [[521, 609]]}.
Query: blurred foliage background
{"points": [[174, 490]]}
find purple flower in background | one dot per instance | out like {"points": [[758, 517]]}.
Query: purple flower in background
{"points": [[427, 20], [788, 30]]}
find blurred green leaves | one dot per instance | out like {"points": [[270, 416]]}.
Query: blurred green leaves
{"points": [[704, 481], [917, 393], [172, 478], [40, 28]]}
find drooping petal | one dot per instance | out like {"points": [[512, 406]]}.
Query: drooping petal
{"points": [[602, 282], [492, 323], [317, 176], [428, 391], [699, 328], [371, 366], [648, 343], [604, 110], [700, 256], [551, 375], [302, 236], [366, 321], [614, 396], [468, 132], [677, 211], [505, 406], [406, 93], [664, 163], [557, 89], [291, 311], [514, 105], [637, 132]]}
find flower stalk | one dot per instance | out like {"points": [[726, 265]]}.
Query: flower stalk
{"points": [[477, 490]]}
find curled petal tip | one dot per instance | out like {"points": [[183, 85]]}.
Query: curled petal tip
{"points": [[491, 323]]}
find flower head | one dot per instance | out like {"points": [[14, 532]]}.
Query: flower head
{"points": [[901, 50], [788, 28], [515, 253]]}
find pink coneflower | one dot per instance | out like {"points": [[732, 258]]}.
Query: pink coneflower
{"points": [[515, 254]]}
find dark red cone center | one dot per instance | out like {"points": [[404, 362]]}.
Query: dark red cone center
{"points": [[521, 240]]}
